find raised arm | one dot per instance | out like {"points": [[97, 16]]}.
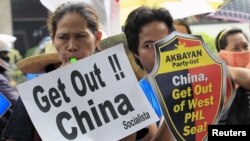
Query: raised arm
{"points": [[241, 76]]}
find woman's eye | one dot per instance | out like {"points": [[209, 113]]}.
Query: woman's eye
{"points": [[62, 37], [246, 47], [236, 49]]}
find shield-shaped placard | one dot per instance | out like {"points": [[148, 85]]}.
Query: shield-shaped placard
{"points": [[190, 82], [229, 97]]}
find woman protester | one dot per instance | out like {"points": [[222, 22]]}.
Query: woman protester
{"points": [[234, 41], [182, 26], [74, 30], [233, 47], [75, 33]]}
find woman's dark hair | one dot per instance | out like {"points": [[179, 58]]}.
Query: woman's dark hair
{"points": [[183, 23], [221, 38], [83, 9], [140, 17]]}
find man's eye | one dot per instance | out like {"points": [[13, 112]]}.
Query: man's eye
{"points": [[149, 45], [81, 36]]}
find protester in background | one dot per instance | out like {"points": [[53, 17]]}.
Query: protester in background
{"points": [[5, 88], [233, 47], [232, 39], [6, 44], [20, 127], [143, 27], [13, 75], [182, 26], [228, 42]]}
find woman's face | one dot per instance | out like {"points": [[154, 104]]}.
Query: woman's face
{"points": [[236, 42], [149, 34], [74, 39], [181, 28]]}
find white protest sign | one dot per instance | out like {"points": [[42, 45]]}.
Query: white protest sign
{"points": [[95, 99]]}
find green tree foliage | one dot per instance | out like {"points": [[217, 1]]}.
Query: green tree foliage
{"points": [[209, 40]]}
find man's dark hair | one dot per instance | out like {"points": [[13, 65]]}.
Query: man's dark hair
{"points": [[221, 38], [140, 17]]}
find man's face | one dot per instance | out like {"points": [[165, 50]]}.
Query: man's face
{"points": [[149, 34]]}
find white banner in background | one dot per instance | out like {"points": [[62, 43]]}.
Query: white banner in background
{"points": [[108, 12], [95, 99]]}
